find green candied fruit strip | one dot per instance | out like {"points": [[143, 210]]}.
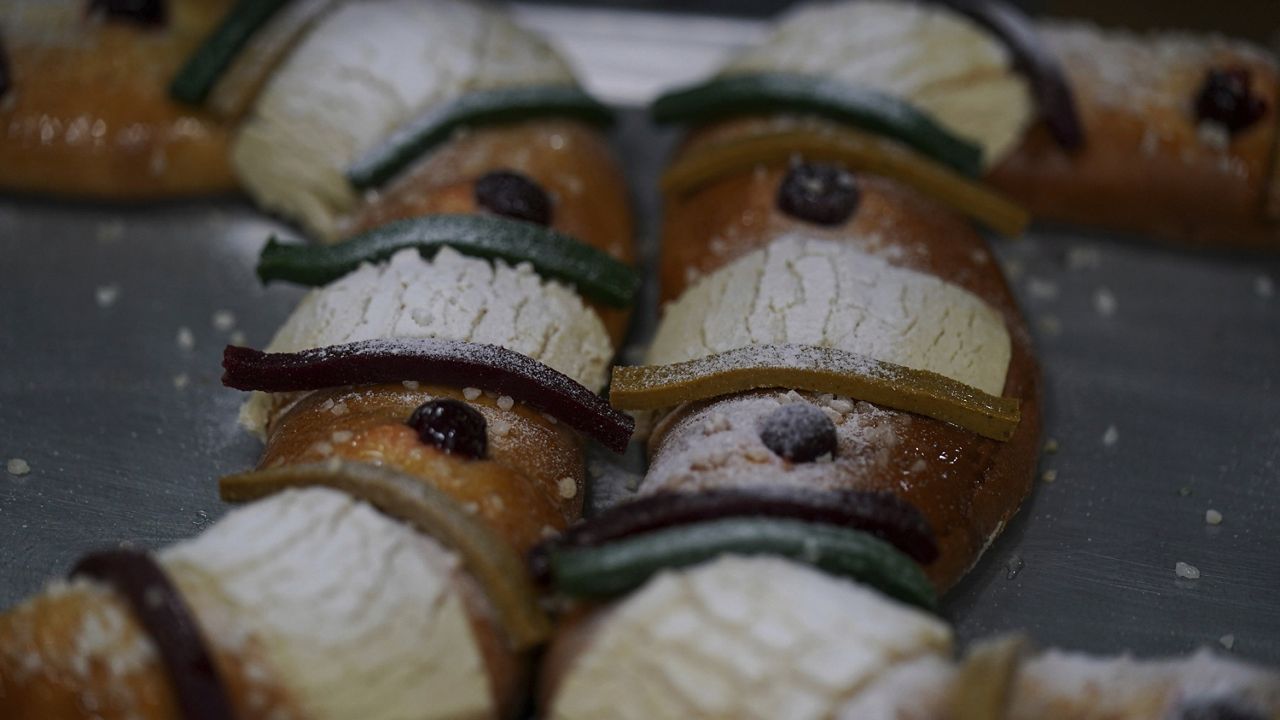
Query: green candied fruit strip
{"points": [[206, 65], [486, 107], [619, 567], [870, 110], [595, 274]]}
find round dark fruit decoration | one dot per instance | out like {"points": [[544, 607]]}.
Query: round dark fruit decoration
{"points": [[1225, 98], [513, 195], [819, 193], [453, 426], [799, 432]]}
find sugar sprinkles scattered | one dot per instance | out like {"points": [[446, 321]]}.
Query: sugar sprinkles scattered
{"points": [[17, 466], [1264, 286], [1227, 641], [1104, 302], [1212, 517], [1051, 446], [1049, 475], [186, 339], [567, 487], [339, 409], [1186, 572], [1041, 289], [238, 338], [342, 436], [106, 295], [505, 402], [181, 381], [1111, 436], [223, 320], [1050, 325], [470, 393], [410, 384]]}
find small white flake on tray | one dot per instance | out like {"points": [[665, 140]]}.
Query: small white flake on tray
{"points": [[18, 466], [106, 295], [1212, 517], [1186, 571]]}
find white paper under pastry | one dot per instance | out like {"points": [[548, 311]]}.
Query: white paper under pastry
{"points": [[364, 71], [817, 292], [739, 637], [938, 61], [359, 615]]}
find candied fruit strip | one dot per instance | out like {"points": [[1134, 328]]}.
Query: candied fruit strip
{"points": [[817, 369], [445, 362]]}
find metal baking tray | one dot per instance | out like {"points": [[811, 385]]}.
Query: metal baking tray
{"points": [[1161, 367]]}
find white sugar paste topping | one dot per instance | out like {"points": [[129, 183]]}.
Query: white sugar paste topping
{"points": [[805, 291], [365, 70], [757, 637], [359, 615], [1057, 683], [451, 297], [936, 60]]}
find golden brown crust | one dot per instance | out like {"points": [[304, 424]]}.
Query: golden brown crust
{"points": [[568, 158], [52, 665], [1147, 167], [969, 486], [518, 490], [89, 113]]}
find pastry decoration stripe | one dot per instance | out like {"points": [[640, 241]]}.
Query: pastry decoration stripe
{"points": [[429, 511], [202, 70], [874, 111], [158, 606], [594, 273], [619, 567], [816, 369], [882, 514], [1049, 85], [860, 151], [486, 107], [447, 362]]}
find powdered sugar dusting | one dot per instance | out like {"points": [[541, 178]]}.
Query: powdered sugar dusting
{"points": [[719, 445]]}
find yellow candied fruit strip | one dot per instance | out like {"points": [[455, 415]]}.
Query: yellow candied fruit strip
{"points": [[817, 369], [498, 569], [859, 151]]}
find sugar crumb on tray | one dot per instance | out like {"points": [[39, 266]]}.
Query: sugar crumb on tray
{"points": [[1186, 571], [18, 466]]}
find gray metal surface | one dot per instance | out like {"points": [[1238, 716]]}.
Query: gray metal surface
{"points": [[92, 396]]}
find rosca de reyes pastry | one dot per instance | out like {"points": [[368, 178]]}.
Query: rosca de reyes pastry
{"points": [[1168, 134], [425, 408], [84, 100]]}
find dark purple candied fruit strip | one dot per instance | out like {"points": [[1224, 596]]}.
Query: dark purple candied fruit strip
{"points": [[443, 362], [1033, 58], [881, 514], [158, 606]]}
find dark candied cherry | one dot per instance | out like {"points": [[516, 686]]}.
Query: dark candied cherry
{"points": [[1217, 709], [799, 432], [513, 195], [452, 426], [819, 193], [1225, 98]]}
